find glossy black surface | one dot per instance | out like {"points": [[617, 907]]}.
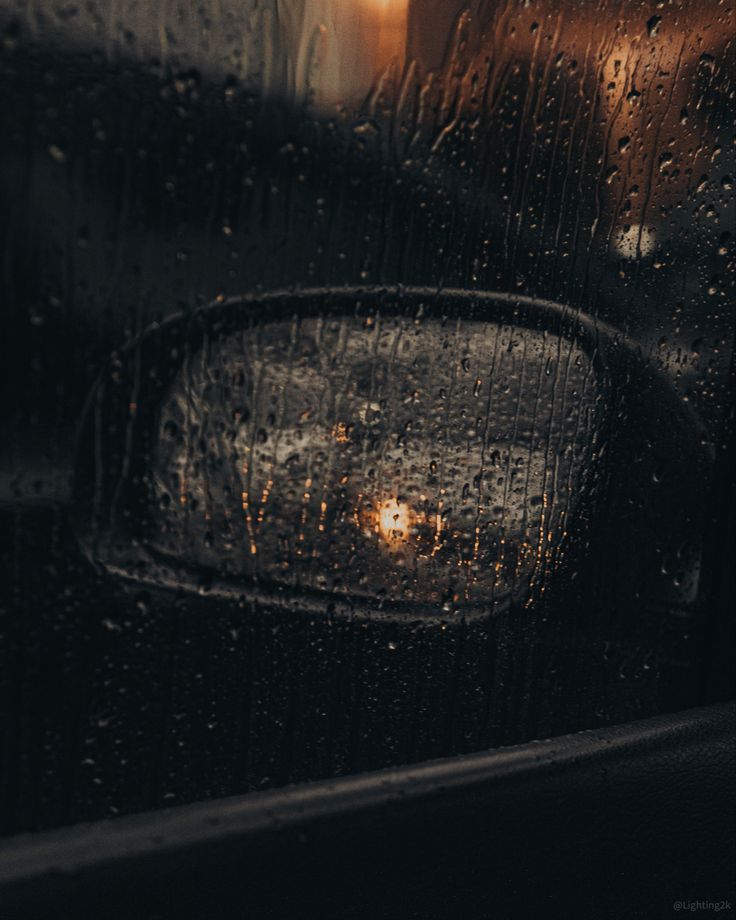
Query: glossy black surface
{"points": [[632, 820]]}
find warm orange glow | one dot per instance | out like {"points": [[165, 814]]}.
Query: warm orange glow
{"points": [[394, 520], [340, 433], [390, 27], [361, 40], [650, 70]]}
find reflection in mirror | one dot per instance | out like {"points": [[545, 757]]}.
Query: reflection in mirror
{"points": [[410, 460]]}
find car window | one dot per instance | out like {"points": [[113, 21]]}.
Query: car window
{"points": [[366, 390]]}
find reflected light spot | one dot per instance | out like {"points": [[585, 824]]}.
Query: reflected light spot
{"points": [[635, 242], [394, 519]]}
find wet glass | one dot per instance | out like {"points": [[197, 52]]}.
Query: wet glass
{"points": [[352, 455], [366, 384]]}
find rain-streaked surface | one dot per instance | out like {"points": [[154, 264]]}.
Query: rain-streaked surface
{"points": [[319, 541], [398, 459]]}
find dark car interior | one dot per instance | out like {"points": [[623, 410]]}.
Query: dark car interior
{"points": [[367, 459]]}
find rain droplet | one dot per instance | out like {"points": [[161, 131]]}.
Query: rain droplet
{"points": [[653, 25]]}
